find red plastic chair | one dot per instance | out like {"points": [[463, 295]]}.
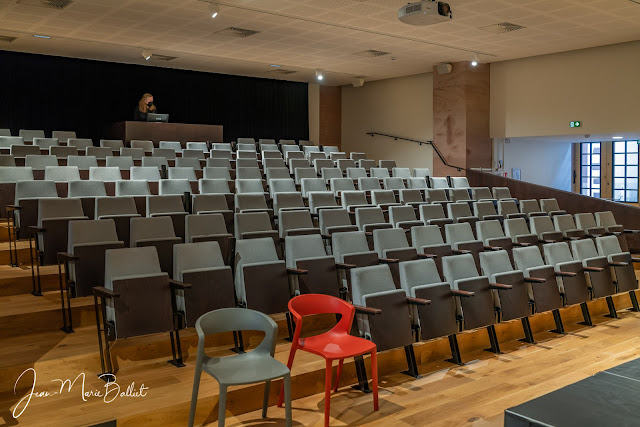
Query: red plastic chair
{"points": [[335, 344]]}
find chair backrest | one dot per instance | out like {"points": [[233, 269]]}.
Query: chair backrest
{"points": [[421, 172], [481, 193], [7, 141], [108, 206], [209, 203], [204, 225], [344, 164], [303, 247], [495, 262], [191, 155], [389, 238], [149, 173], [459, 210], [483, 209], [287, 200], [333, 217], [379, 172], [501, 193], [489, 230], [356, 173], [458, 267], [382, 197], [459, 182], [516, 227], [188, 162], [341, 184], [253, 251], [527, 257], [113, 144], [62, 173], [357, 156], [91, 231], [5, 132], [122, 162], [417, 183], [401, 172], [156, 162], [221, 146], [7, 160], [146, 146], [62, 135], [529, 206], [418, 273], [283, 185], [134, 153], [428, 235], [439, 182], [366, 216], [247, 186], [541, 224], [277, 173], [174, 186], [459, 194], [62, 152], [195, 256], [213, 186], [250, 222], [347, 243], [197, 145], [248, 173], [176, 146], [249, 201], [401, 214], [82, 162], [56, 207], [311, 304], [183, 173], [321, 199], [608, 245], [549, 205], [309, 185], [132, 188], [432, 211], [24, 150], [320, 164], [583, 249], [104, 173], [38, 162], [45, 143], [368, 184], [270, 162], [457, 233], [216, 173], [99, 152], [434, 195], [159, 227], [605, 219], [585, 220], [556, 253], [127, 262], [366, 164], [87, 189], [411, 196], [353, 198], [304, 173], [220, 154], [167, 153], [164, 205], [564, 222], [370, 280], [246, 141], [507, 207], [294, 220], [34, 190], [394, 183], [16, 174]]}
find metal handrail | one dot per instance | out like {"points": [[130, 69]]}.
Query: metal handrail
{"points": [[431, 143]]}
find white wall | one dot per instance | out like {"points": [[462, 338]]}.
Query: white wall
{"points": [[401, 106], [541, 162]]}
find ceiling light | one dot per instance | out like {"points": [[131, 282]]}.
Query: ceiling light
{"points": [[618, 137], [146, 54], [319, 75], [214, 10], [274, 65], [41, 37], [474, 62]]}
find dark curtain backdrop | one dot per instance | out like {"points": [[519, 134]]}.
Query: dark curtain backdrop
{"points": [[55, 93]]}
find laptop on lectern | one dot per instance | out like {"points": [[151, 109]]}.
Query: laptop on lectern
{"points": [[153, 117]]}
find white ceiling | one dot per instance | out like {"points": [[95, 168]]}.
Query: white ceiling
{"points": [[305, 35]]}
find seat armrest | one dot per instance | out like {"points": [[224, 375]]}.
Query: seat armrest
{"points": [[566, 274], [388, 260], [535, 280], [635, 259], [547, 241], [593, 268], [101, 291], [631, 231], [296, 271], [178, 285], [492, 248], [344, 266], [65, 256], [367, 310], [460, 251], [418, 301], [571, 238], [427, 256], [500, 286], [36, 229], [618, 264], [326, 236], [461, 293], [523, 245], [14, 207]]}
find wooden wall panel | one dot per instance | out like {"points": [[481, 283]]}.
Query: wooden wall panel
{"points": [[331, 115]]}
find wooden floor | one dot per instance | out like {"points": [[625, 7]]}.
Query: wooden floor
{"points": [[474, 394]]}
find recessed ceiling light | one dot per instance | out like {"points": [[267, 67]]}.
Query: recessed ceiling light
{"points": [[474, 62], [146, 54], [319, 75], [274, 65], [41, 37], [618, 137], [214, 10]]}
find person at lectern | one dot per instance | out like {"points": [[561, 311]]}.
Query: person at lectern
{"points": [[145, 105]]}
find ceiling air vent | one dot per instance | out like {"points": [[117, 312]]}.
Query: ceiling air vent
{"points": [[371, 53], [50, 4], [501, 28], [282, 72], [164, 58], [237, 32], [6, 39]]}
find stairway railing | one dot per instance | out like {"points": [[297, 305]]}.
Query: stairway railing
{"points": [[431, 143]]}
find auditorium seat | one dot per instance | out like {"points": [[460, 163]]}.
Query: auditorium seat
{"points": [[30, 135], [81, 144], [460, 237], [387, 164], [246, 141], [366, 164], [320, 164], [210, 228], [147, 146], [82, 162], [510, 303], [273, 163], [459, 195], [383, 199], [607, 221], [403, 217], [392, 243], [120, 210], [459, 182], [18, 151], [178, 172], [213, 204], [244, 147], [298, 163], [598, 271], [7, 160], [369, 219], [351, 247], [277, 173], [379, 173], [308, 185], [99, 152], [587, 222], [491, 234], [214, 186], [421, 279], [157, 232], [176, 146], [125, 163], [246, 152], [113, 144], [622, 264], [565, 225], [401, 173], [417, 183], [63, 136], [344, 164], [40, 162], [518, 231], [373, 288], [542, 226], [356, 173], [421, 172], [7, 141], [428, 240], [248, 173], [306, 173], [188, 162], [252, 202], [338, 185], [433, 214], [220, 154], [282, 185], [105, 174], [195, 145], [501, 193], [572, 280], [216, 173], [509, 209], [482, 194], [193, 154], [171, 206], [250, 186], [5, 132], [369, 184], [132, 188], [155, 162], [147, 173], [62, 152], [550, 206], [287, 201], [166, 153], [255, 225], [62, 173], [87, 191], [261, 278], [334, 221], [439, 183], [126, 272], [485, 210], [310, 149], [174, 186], [411, 197], [351, 200], [84, 260], [296, 223], [437, 195], [356, 156], [221, 146], [330, 149], [531, 208], [134, 153], [396, 184], [460, 212]]}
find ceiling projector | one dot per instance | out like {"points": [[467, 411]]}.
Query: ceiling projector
{"points": [[425, 12]]}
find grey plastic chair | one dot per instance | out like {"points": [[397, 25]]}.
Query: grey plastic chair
{"points": [[252, 367]]}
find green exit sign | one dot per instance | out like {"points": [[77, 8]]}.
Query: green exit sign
{"points": [[576, 124]]}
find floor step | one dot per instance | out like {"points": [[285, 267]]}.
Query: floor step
{"points": [[24, 259], [17, 280]]}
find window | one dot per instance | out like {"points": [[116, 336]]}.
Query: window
{"points": [[625, 171], [590, 158]]}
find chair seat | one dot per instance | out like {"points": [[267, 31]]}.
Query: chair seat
{"points": [[244, 368], [331, 345]]}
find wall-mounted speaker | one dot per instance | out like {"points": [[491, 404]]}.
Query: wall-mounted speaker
{"points": [[444, 68]]}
